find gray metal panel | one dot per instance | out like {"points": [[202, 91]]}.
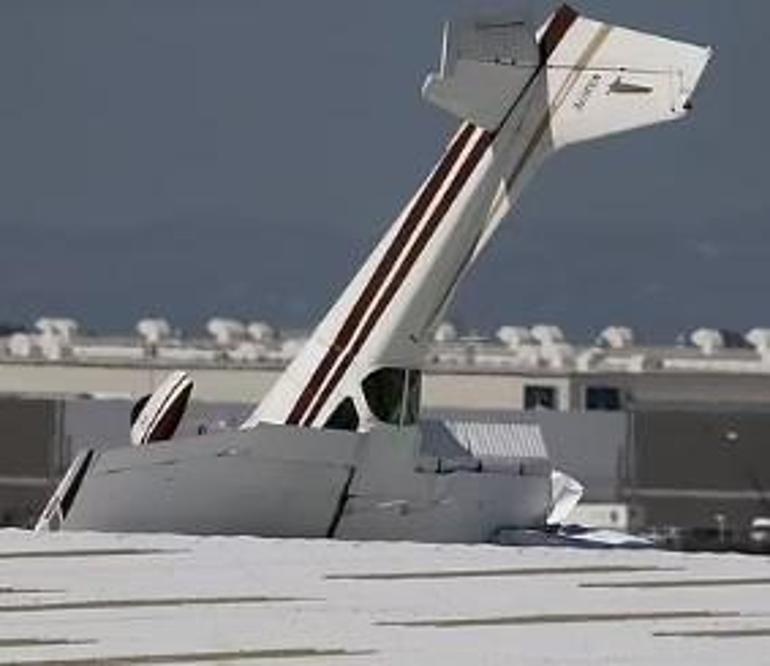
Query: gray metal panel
{"points": [[101, 424], [692, 450], [690, 467], [28, 430], [391, 499], [96, 424], [436, 440], [500, 440], [467, 507], [212, 417], [21, 504], [589, 446], [31, 456], [503, 38], [271, 481], [298, 482]]}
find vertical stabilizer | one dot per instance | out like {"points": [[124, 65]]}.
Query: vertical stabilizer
{"points": [[521, 95]]}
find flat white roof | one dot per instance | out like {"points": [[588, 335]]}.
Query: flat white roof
{"points": [[98, 599]]}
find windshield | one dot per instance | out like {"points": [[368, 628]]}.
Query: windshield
{"points": [[393, 395]]}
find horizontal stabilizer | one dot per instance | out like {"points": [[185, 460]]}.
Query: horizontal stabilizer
{"points": [[485, 65], [604, 79]]}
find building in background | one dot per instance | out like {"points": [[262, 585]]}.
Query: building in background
{"points": [[672, 440]]}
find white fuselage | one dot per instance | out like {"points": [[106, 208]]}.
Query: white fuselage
{"points": [[387, 313], [289, 471], [592, 80]]}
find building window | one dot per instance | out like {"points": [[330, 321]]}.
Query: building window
{"points": [[393, 395], [345, 417], [603, 398], [540, 397]]}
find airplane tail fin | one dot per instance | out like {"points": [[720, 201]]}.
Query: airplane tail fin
{"points": [[603, 79], [599, 79]]}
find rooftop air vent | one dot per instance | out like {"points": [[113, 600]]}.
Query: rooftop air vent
{"points": [[708, 340], [153, 330], [22, 345], [514, 336], [760, 339], [446, 332], [261, 331], [59, 327], [547, 335], [616, 337], [226, 331]]}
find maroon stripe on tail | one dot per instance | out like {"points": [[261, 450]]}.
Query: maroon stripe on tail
{"points": [[558, 27], [379, 276], [401, 274], [562, 20]]}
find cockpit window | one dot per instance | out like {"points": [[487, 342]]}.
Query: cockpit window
{"points": [[413, 394], [393, 395], [345, 417], [384, 392]]}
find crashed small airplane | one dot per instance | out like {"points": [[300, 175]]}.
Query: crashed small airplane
{"points": [[337, 447]]}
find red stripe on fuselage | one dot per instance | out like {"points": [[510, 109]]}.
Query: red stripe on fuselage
{"points": [[462, 176], [560, 24], [391, 256]]}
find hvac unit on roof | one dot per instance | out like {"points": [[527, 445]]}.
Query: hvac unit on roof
{"points": [[708, 340], [153, 330], [547, 335], [22, 345], [616, 337], [588, 359], [261, 331], [760, 339], [445, 332], [226, 331], [54, 348], [558, 356], [59, 327], [514, 336]]}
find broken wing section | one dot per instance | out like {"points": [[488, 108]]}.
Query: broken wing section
{"points": [[60, 503], [485, 66], [603, 79]]}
